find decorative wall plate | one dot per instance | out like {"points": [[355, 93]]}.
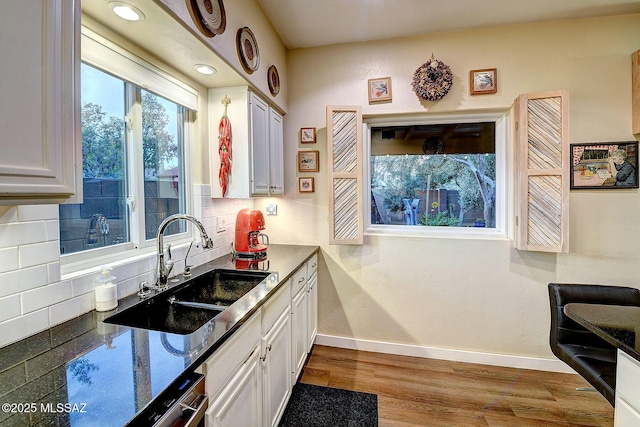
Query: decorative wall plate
{"points": [[248, 50], [274, 80], [208, 15]]}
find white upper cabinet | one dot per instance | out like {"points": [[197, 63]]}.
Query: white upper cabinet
{"points": [[276, 154], [256, 144], [40, 135]]}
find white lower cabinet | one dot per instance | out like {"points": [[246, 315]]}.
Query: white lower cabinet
{"points": [[276, 369], [250, 377], [240, 402], [304, 313], [299, 319], [253, 392], [627, 410], [312, 310]]}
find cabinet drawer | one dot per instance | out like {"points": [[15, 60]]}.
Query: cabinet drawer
{"points": [[312, 265], [274, 307], [226, 360], [625, 415], [628, 378], [299, 280]]}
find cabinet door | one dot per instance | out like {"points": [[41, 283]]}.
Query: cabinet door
{"points": [[277, 369], [312, 310], [259, 146], [227, 359], [240, 403], [39, 115], [299, 319], [625, 414], [276, 142]]}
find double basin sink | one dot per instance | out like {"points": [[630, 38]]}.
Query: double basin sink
{"points": [[187, 307]]}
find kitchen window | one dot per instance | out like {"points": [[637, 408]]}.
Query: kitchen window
{"points": [[436, 176], [134, 167]]}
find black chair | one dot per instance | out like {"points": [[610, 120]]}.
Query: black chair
{"points": [[589, 355]]}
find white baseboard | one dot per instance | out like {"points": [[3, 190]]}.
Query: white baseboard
{"points": [[505, 360]]}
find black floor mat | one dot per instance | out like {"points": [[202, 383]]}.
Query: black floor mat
{"points": [[315, 406]]}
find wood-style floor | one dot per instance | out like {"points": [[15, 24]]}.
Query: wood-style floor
{"points": [[425, 392]]}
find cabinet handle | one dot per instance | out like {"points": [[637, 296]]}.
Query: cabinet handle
{"points": [[314, 265], [269, 348], [249, 356], [301, 280], [263, 357]]}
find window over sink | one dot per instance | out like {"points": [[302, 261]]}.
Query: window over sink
{"points": [[134, 164]]}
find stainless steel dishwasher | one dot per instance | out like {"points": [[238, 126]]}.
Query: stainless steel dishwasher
{"points": [[183, 404]]}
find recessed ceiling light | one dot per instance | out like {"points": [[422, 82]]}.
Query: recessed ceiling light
{"points": [[126, 11], [205, 69]]}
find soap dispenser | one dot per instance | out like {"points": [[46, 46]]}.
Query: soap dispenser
{"points": [[106, 291]]}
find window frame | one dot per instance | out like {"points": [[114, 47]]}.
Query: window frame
{"points": [[100, 53], [504, 209]]}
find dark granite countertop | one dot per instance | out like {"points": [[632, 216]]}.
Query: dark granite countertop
{"points": [[616, 324], [105, 374]]}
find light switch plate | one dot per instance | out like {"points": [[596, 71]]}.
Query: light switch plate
{"points": [[272, 209], [221, 225]]}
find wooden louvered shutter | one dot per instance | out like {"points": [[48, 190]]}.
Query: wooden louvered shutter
{"points": [[344, 152], [542, 170]]}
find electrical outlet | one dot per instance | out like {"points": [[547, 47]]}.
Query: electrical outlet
{"points": [[221, 224], [271, 209]]}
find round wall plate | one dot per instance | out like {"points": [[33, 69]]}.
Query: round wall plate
{"points": [[274, 80], [208, 15], [248, 50]]}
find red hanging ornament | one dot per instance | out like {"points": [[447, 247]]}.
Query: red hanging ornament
{"points": [[224, 149]]}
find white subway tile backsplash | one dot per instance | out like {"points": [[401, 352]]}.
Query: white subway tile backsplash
{"points": [[53, 271], [83, 284], [9, 307], [209, 224], [39, 253], [8, 214], [37, 212], [45, 296], [23, 326], [53, 230], [22, 280], [68, 309], [22, 233], [8, 259]]}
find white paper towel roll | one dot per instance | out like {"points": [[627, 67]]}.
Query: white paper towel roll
{"points": [[106, 297]]}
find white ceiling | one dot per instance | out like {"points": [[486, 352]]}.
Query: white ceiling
{"points": [[308, 23]]}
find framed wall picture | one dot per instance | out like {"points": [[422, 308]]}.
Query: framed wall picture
{"points": [[483, 81], [380, 89], [604, 165], [306, 185], [308, 135], [308, 161]]}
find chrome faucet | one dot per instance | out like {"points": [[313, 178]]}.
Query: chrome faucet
{"points": [[165, 266]]}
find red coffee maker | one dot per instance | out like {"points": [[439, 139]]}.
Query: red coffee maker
{"points": [[250, 243]]}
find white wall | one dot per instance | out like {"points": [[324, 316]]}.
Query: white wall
{"points": [[475, 295]]}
